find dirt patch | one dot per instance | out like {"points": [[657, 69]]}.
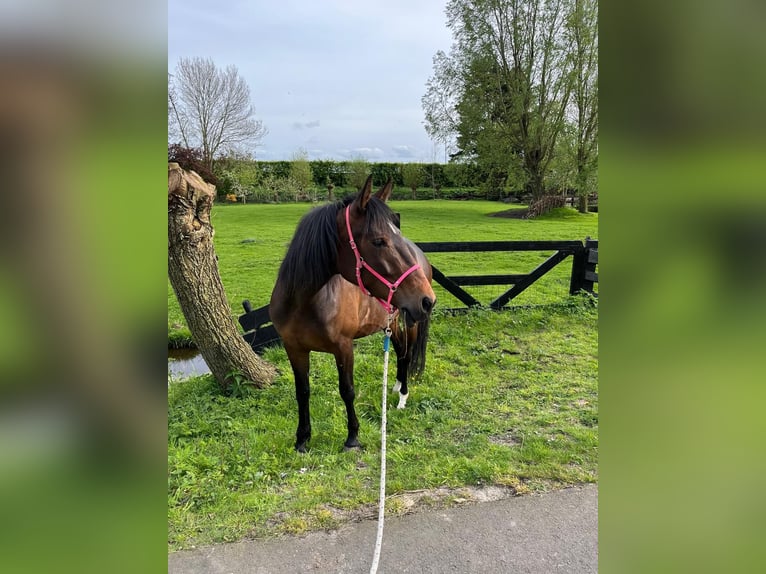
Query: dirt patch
{"points": [[506, 439], [420, 500], [444, 497], [511, 213]]}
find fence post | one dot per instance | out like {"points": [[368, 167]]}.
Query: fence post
{"points": [[591, 260], [579, 261], [584, 263]]}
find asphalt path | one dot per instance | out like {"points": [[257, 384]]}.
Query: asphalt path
{"points": [[546, 533]]}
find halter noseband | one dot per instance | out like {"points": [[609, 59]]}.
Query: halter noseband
{"points": [[360, 262]]}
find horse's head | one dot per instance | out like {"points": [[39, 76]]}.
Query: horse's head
{"points": [[375, 255]]}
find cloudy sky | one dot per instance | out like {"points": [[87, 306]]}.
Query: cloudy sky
{"points": [[337, 78]]}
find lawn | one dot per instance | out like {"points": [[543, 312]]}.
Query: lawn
{"points": [[508, 399]]}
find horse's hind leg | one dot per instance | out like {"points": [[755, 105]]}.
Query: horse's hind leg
{"points": [[344, 360], [299, 360]]}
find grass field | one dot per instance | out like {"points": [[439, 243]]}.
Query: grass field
{"points": [[251, 240], [507, 399]]}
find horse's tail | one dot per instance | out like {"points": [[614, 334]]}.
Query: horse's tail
{"points": [[417, 362]]}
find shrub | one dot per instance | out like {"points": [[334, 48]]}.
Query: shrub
{"points": [[190, 158]]}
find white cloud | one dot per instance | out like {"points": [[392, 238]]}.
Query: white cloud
{"points": [[403, 151]]}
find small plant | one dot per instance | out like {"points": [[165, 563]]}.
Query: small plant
{"points": [[237, 385]]}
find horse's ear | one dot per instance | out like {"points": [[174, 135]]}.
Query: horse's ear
{"points": [[363, 198], [384, 193]]}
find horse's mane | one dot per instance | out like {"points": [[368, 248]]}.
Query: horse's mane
{"points": [[311, 258]]}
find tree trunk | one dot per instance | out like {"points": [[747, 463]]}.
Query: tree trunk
{"points": [[582, 204], [535, 184], [193, 272], [582, 188]]}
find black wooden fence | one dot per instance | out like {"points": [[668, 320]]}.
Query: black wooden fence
{"points": [[260, 333]]}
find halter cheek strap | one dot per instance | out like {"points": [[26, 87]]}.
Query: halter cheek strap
{"points": [[360, 262]]}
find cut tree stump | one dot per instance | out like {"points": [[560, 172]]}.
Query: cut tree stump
{"points": [[193, 272]]}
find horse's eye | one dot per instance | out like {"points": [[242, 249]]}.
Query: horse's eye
{"points": [[379, 242]]}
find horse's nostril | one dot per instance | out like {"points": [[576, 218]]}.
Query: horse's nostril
{"points": [[427, 304]]}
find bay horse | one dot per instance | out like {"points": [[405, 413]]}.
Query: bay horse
{"points": [[348, 273]]}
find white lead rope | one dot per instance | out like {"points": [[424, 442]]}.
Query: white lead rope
{"points": [[384, 405]]}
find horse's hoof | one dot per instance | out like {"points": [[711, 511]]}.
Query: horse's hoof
{"points": [[352, 446], [402, 401], [301, 448]]}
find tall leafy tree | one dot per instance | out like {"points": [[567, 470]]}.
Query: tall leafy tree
{"points": [[511, 73], [582, 27], [210, 108]]}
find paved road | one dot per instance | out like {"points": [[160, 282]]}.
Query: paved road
{"points": [[554, 532]]}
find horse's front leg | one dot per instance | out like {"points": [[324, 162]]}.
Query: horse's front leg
{"points": [[299, 360], [402, 340], [344, 360]]}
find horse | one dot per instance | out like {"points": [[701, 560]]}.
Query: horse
{"points": [[348, 273]]}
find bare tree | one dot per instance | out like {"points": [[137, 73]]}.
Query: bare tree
{"points": [[211, 109]]}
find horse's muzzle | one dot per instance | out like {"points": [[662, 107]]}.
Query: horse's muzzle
{"points": [[412, 316], [427, 304]]}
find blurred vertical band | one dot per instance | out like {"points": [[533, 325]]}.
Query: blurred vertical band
{"points": [[682, 286], [82, 277]]}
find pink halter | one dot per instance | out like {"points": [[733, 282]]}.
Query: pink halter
{"points": [[360, 262]]}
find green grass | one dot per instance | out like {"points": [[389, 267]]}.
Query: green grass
{"points": [[507, 398], [248, 270]]}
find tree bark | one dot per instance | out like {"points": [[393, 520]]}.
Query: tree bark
{"points": [[582, 204], [193, 272]]}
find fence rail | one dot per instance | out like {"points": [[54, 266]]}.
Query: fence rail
{"points": [[583, 267], [260, 333]]}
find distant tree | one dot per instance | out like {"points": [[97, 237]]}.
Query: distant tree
{"points": [[300, 171], [443, 91], [412, 175], [240, 176], [358, 170], [211, 109]]}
